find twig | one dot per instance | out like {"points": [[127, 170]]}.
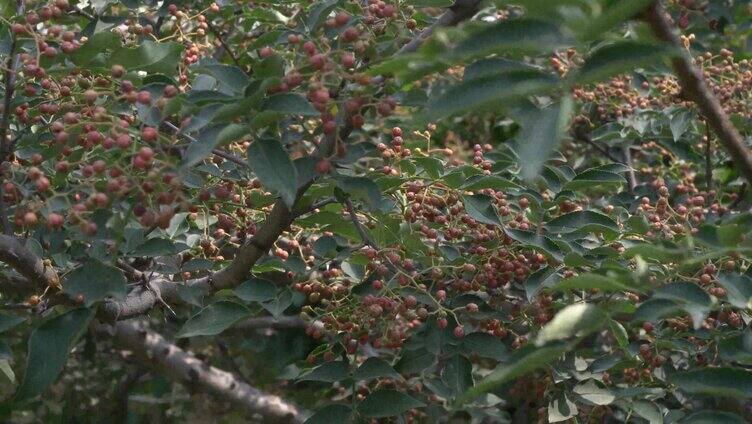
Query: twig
{"points": [[359, 225], [579, 135], [215, 152], [694, 87], [225, 46], [708, 158]]}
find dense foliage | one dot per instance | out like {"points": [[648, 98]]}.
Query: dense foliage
{"points": [[385, 211]]}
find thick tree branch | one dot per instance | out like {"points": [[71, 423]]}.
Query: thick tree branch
{"points": [[261, 323], [694, 87], [280, 218], [155, 352], [26, 263]]}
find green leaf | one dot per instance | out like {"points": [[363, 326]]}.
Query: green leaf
{"points": [[561, 409], [541, 131], [737, 348], [213, 319], [484, 345], [387, 403], [589, 281], [375, 368], [525, 360], [512, 37], [458, 374], [318, 13], [484, 92], [149, 56], [618, 58], [256, 290], [722, 382], [8, 322], [330, 414], [594, 392], [532, 239], [690, 297], [584, 221], [480, 182], [712, 417], [211, 138], [619, 332], [654, 252], [329, 372], [430, 3], [361, 188], [289, 104], [49, 346], [273, 167], [738, 289], [94, 50], [654, 309], [95, 281], [155, 247], [575, 320], [594, 178], [613, 14], [480, 208]]}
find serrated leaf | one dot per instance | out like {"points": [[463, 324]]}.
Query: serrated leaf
{"points": [[738, 289], [583, 221], [49, 346], [512, 37], [485, 92], [589, 281], [575, 320], [213, 319], [712, 417], [594, 392], [256, 290], [484, 345], [8, 322], [690, 297], [561, 409], [541, 131], [95, 281], [480, 208], [375, 368], [617, 58], [149, 56], [289, 104], [361, 188], [532, 239], [273, 167], [387, 403], [458, 374], [593, 178], [525, 360], [722, 381], [613, 14], [210, 139], [329, 372], [331, 414]]}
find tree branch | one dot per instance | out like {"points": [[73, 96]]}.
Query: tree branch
{"points": [[155, 352], [278, 220], [694, 87], [26, 263]]}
